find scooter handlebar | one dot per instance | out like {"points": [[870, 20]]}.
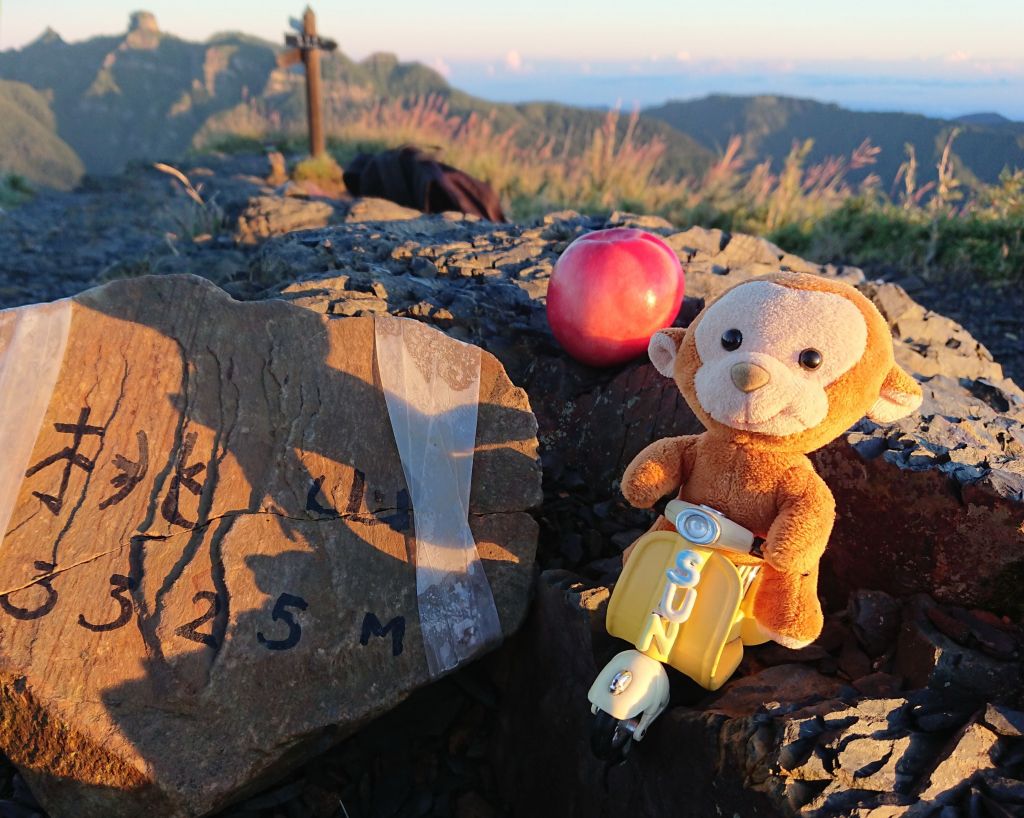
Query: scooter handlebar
{"points": [[705, 526]]}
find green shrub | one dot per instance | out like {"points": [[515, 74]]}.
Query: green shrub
{"points": [[14, 190], [322, 169], [881, 237]]}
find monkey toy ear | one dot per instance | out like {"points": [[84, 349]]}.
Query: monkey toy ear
{"points": [[663, 348], [900, 395]]}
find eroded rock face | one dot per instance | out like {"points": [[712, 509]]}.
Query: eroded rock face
{"points": [[932, 504], [950, 477], [541, 752], [210, 569]]}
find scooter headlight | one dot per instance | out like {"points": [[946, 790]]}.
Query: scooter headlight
{"points": [[620, 681], [698, 527]]}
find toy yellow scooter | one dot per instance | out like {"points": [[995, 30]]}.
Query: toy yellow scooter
{"points": [[680, 601]]}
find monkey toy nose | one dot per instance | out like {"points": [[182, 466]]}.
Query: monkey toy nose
{"points": [[749, 377]]}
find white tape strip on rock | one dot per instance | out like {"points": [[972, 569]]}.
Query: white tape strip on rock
{"points": [[432, 388], [32, 342]]}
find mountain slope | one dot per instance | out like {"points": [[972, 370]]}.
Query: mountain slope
{"points": [[141, 95], [29, 145], [769, 125], [148, 95]]}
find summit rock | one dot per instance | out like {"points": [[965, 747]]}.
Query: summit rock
{"points": [[216, 564]]}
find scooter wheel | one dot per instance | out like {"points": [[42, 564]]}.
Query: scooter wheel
{"points": [[610, 738]]}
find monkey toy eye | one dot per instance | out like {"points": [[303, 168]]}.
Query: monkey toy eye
{"points": [[731, 339], [810, 359]]}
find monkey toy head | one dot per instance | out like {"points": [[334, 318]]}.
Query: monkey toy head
{"points": [[788, 362]]}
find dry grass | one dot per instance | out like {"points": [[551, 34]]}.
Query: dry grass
{"points": [[816, 208], [533, 178], [614, 169], [320, 169]]}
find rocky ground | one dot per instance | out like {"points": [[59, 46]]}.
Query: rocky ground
{"points": [[142, 222], [907, 705]]}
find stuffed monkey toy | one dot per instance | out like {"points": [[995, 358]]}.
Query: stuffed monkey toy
{"points": [[775, 368]]}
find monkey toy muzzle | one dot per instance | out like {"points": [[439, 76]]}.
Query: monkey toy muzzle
{"points": [[680, 601]]}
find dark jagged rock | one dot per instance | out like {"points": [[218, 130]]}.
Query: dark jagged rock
{"points": [[541, 756], [794, 740], [951, 650], [875, 619], [933, 503]]}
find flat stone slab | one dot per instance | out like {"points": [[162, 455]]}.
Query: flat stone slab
{"points": [[211, 572]]}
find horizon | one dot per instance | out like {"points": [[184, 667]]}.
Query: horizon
{"points": [[931, 81]]}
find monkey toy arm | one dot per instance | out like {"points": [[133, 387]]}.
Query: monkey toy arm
{"points": [[798, 535], [659, 469]]}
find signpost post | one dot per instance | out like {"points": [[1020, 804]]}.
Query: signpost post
{"points": [[306, 47]]}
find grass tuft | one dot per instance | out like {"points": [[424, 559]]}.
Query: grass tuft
{"points": [[321, 170], [198, 219]]}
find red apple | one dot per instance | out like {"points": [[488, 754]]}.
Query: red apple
{"points": [[610, 291]]}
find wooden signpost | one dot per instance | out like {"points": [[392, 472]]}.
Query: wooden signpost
{"points": [[306, 47]]}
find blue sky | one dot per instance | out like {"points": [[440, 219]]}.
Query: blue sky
{"points": [[936, 57]]}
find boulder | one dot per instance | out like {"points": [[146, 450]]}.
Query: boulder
{"points": [[780, 739], [970, 754], [217, 562], [931, 504], [541, 757], [379, 210], [265, 216]]}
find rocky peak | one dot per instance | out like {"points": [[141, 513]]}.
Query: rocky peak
{"points": [[143, 21], [143, 31], [48, 37], [888, 709], [382, 60]]}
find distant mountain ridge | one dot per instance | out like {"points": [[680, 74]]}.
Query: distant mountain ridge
{"points": [[990, 118], [147, 94], [139, 95], [769, 125]]}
